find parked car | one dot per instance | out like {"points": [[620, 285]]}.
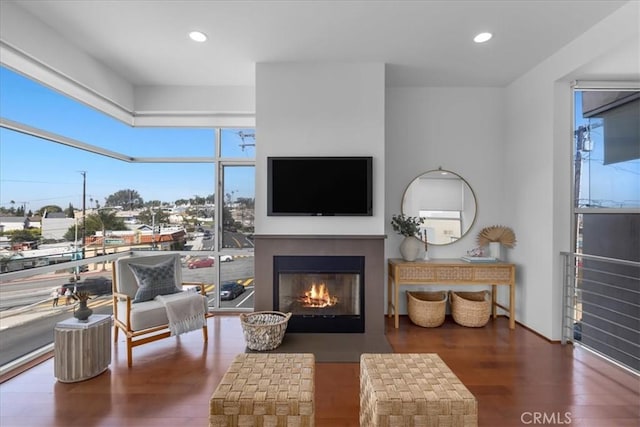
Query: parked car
{"points": [[95, 285], [79, 269], [231, 290], [200, 263], [226, 258]]}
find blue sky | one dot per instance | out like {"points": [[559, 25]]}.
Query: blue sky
{"points": [[36, 173]]}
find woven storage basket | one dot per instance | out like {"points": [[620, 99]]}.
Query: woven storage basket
{"points": [[470, 309], [427, 309], [264, 330]]}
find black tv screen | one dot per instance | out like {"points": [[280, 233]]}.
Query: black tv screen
{"points": [[319, 186]]}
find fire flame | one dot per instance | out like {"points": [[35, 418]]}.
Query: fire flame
{"points": [[318, 296]]}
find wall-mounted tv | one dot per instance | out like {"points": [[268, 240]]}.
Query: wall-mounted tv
{"points": [[319, 186]]}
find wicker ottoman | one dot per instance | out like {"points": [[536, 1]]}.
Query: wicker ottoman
{"points": [[416, 390], [265, 390]]}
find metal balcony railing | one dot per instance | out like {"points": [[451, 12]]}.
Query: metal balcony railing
{"points": [[601, 307]]}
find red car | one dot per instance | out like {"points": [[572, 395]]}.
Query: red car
{"points": [[200, 263]]}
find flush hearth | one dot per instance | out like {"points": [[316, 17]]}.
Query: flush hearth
{"points": [[323, 293]]}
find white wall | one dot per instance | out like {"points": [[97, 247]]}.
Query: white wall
{"points": [[538, 149], [316, 109], [56, 228], [459, 129]]}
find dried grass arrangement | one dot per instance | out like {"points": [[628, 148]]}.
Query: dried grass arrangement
{"points": [[81, 295], [497, 233]]}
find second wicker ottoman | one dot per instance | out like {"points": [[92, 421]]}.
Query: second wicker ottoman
{"points": [[413, 390], [265, 390]]}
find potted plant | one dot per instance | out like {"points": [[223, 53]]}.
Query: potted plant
{"points": [[409, 227]]}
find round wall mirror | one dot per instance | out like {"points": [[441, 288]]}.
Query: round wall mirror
{"points": [[446, 202]]}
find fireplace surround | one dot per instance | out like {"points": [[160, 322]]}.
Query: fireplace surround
{"points": [[369, 247]]}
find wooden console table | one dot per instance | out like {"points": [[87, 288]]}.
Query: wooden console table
{"points": [[448, 272]]}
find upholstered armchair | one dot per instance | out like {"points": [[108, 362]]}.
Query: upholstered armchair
{"points": [[146, 292]]}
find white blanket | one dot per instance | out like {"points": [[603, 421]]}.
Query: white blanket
{"points": [[185, 311]]}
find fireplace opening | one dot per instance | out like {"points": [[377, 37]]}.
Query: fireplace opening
{"points": [[322, 293]]}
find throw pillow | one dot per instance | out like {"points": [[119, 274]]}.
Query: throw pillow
{"points": [[154, 280]]}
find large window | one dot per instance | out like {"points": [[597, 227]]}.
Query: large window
{"points": [[607, 219], [79, 188], [606, 171]]}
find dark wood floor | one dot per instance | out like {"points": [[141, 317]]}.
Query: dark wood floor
{"points": [[517, 377]]}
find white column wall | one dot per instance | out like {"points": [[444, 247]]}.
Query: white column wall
{"points": [[538, 149], [320, 109]]}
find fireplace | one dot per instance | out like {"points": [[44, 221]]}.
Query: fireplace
{"points": [[370, 247], [323, 293]]}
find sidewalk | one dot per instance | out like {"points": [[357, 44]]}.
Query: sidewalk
{"points": [[22, 315]]}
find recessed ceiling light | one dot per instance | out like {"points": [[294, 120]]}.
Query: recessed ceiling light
{"points": [[198, 36], [482, 37]]}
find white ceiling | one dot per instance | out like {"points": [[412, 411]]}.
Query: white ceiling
{"points": [[424, 43]]}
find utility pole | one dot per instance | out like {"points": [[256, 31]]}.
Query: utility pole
{"points": [[104, 236], [153, 229], [84, 210]]}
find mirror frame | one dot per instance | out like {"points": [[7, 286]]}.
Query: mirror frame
{"points": [[464, 232]]}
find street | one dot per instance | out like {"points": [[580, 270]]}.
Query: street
{"points": [[18, 341]]}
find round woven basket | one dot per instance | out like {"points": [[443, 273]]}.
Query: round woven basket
{"points": [[427, 309], [470, 309], [264, 330]]}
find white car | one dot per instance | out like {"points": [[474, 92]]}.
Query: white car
{"points": [[226, 258]]}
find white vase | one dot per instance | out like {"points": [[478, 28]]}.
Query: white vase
{"points": [[410, 248], [494, 249]]}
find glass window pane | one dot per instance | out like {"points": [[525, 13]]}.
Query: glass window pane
{"points": [[238, 207], [238, 143], [32, 306], [237, 274], [236, 241], [37, 173], [607, 149]]}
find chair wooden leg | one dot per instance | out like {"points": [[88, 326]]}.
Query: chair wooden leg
{"points": [[115, 333], [129, 352], [205, 333]]}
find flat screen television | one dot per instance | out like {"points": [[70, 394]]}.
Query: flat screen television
{"points": [[319, 186]]}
